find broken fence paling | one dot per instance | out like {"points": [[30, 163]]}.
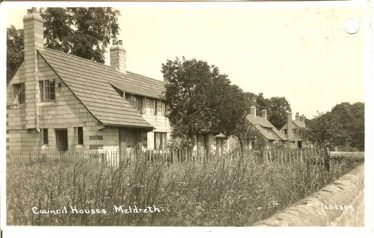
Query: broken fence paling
{"points": [[313, 156]]}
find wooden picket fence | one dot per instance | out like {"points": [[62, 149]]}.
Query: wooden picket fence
{"points": [[313, 156], [113, 158]]}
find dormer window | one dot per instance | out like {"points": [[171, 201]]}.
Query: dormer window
{"points": [[47, 90], [18, 93], [136, 101]]}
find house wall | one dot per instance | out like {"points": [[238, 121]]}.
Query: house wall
{"points": [[160, 122], [204, 143], [293, 138], [65, 112]]}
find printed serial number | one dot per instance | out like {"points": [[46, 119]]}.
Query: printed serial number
{"points": [[339, 207]]}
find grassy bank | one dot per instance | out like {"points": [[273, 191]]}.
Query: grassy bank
{"points": [[226, 192]]}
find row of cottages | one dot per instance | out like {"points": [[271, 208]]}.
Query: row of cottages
{"points": [[267, 130], [285, 137], [62, 102], [291, 130]]}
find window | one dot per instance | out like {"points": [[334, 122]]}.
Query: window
{"points": [[44, 133], [160, 140], [285, 131], [294, 131], [19, 93], [156, 107], [151, 105], [136, 101], [47, 90], [140, 104], [128, 97], [163, 108], [79, 133], [144, 139]]}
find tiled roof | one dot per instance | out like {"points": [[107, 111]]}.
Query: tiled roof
{"points": [[296, 124], [90, 83], [261, 124], [299, 124], [139, 85]]}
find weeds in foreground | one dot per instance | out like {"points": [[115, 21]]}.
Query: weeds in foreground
{"points": [[227, 192]]}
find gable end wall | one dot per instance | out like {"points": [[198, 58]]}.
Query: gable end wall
{"points": [[65, 112]]}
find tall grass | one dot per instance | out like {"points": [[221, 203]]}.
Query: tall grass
{"points": [[230, 191]]}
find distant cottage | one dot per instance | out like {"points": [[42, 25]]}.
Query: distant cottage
{"points": [[63, 102], [267, 130], [291, 130]]}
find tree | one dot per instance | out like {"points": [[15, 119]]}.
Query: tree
{"points": [[14, 51], [358, 129], [277, 111], [84, 32], [200, 99], [343, 126], [317, 130], [276, 108], [243, 131], [262, 103]]}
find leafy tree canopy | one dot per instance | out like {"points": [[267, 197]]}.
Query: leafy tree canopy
{"points": [[14, 51], [276, 108], [84, 32], [201, 99], [343, 126]]}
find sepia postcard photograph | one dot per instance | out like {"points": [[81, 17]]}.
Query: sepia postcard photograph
{"points": [[199, 116]]}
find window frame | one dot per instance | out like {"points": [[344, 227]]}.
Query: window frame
{"points": [[140, 104], [47, 90], [155, 107], [160, 140], [44, 134], [19, 93], [79, 135]]}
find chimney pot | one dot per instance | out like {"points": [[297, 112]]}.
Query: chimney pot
{"points": [[264, 114], [302, 118], [118, 56], [297, 117], [289, 125], [252, 111], [289, 116]]}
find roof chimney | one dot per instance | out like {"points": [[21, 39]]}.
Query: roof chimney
{"points": [[289, 125], [302, 118], [252, 111], [297, 117], [118, 56], [264, 114], [33, 40]]}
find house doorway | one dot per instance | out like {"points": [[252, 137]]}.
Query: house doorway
{"points": [[131, 139], [61, 139]]}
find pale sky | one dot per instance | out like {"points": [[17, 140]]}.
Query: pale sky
{"points": [[301, 53]]}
